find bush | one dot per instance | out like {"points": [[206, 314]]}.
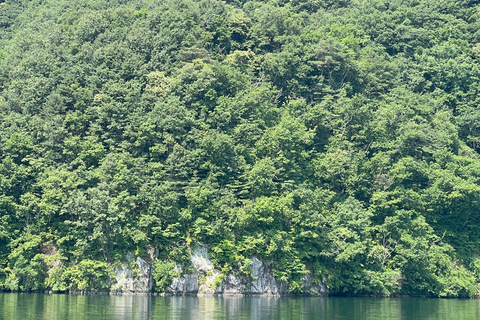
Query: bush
{"points": [[163, 274]]}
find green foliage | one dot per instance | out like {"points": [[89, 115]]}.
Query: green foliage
{"points": [[217, 281], [337, 138], [88, 275], [163, 274]]}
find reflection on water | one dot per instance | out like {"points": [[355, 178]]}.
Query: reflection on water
{"points": [[24, 306]]}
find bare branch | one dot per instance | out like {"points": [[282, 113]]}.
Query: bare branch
{"points": [[440, 239]]}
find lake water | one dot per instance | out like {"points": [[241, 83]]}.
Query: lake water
{"points": [[26, 306]]}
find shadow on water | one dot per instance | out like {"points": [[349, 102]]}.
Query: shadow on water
{"points": [[25, 306]]}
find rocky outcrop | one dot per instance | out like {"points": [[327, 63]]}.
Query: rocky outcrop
{"points": [[314, 288], [202, 280], [264, 282], [135, 275], [205, 279]]}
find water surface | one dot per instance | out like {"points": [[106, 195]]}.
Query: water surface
{"points": [[25, 306]]}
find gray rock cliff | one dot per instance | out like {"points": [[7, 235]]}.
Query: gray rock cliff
{"points": [[205, 279], [134, 276]]}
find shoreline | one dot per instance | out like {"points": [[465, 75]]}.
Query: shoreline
{"points": [[231, 295]]}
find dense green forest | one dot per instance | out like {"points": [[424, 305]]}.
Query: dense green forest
{"points": [[340, 138]]}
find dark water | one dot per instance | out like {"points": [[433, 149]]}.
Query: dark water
{"points": [[26, 306]]}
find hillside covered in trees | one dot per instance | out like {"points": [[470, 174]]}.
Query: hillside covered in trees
{"points": [[340, 138]]}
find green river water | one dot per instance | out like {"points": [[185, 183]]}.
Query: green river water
{"points": [[25, 306]]}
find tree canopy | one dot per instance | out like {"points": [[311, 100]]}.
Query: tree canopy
{"points": [[340, 138]]}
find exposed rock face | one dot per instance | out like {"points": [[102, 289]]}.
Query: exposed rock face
{"points": [[234, 285], [205, 279], [202, 280], [264, 282], [317, 289], [135, 275]]}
